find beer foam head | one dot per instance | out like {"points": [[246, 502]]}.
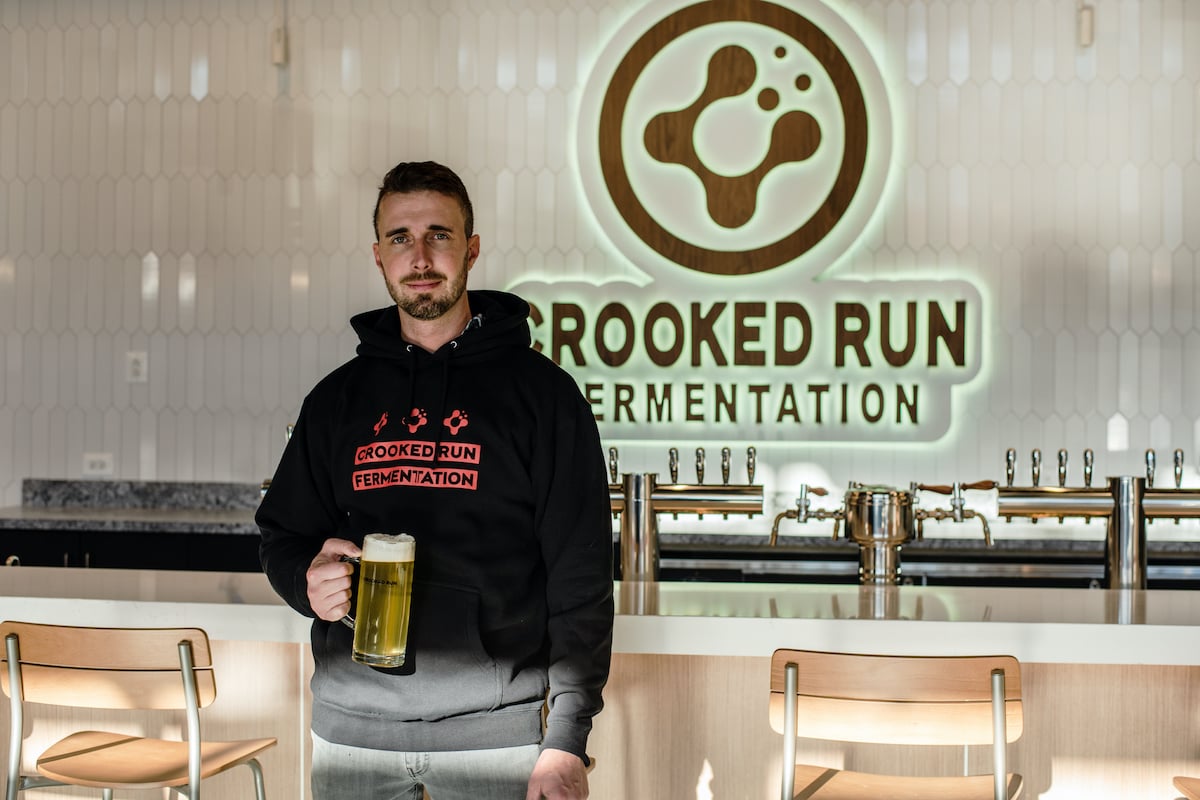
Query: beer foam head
{"points": [[388, 547]]}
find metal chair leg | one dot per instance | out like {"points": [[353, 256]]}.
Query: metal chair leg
{"points": [[260, 790]]}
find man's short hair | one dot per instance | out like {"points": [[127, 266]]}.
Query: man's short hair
{"points": [[424, 176]]}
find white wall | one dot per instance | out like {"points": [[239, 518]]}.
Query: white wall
{"points": [[165, 188]]}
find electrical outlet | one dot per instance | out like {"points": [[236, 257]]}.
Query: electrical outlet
{"points": [[137, 366], [97, 465]]}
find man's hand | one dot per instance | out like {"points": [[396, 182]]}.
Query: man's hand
{"points": [[329, 580], [558, 775]]}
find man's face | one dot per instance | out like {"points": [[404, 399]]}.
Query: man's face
{"points": [[424, 254]]}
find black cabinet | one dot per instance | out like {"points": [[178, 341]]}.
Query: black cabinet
{"points": [[130, 550], [40, 549]]}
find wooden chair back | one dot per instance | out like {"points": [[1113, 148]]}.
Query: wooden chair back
{"points": [[112, 668], [926, 700]]}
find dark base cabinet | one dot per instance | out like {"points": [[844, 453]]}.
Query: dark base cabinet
{"points": [[130, 550], [223, 552]]}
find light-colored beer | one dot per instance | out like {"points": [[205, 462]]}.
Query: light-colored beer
{"points": [[384, 596]]}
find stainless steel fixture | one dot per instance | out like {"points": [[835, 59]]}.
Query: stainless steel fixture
{"points": [[638, 499], [1127, 503], [881, 520]]}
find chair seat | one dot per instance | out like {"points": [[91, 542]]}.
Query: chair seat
{"points": [[122, 761], [823, 783], [1189, 786]]}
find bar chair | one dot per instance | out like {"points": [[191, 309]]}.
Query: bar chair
{"points": [[117, 668], [910, 700], [1189, 787]]}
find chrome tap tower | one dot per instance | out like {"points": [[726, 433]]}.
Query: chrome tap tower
{"points": [[1127, 504], [638, 499]]}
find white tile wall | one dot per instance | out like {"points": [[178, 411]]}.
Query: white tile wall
{"points": [[164, 187]]}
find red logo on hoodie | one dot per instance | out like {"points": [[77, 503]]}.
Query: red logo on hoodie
{"points": [[416, 420], [456, 421], [379, 425]]}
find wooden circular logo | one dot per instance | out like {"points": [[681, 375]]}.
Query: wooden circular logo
{"points": [[733, 136]]}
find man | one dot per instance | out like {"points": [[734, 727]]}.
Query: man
{"points": [[449, 427]]}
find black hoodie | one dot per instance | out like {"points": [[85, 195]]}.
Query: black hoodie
{"points": [[486, 453]]}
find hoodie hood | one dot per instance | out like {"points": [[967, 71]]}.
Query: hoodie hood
{"points": [[498, 321]]}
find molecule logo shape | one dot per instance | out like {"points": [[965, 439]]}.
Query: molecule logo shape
{"points": [[732, 136]]}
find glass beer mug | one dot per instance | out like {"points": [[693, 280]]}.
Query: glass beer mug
{"points": [[380, 621]]}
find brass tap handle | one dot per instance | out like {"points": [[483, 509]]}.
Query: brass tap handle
{"points": [[699, 465], [1178, 469], [673, 464], [751, 458], [1062, 467], [1010, 465], [1150, 463], [613, 471], [1036, 457], [724, 466], [941, 488], [1089, 458]]}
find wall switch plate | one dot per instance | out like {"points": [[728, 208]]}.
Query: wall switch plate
{"points": [[136, 366], [97, 465]]}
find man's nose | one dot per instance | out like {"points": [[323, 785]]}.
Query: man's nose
{"points": [[421, 256]]}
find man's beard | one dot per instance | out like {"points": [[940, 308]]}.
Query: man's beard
{"points": [[430, 306]]}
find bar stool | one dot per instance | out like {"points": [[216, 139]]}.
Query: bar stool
{"points": [[910, 700], [117, 668], [1190, 787]]}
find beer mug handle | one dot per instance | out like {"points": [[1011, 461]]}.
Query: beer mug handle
{"points": [[348, 620]]}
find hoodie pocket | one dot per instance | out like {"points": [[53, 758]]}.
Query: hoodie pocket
{"points": [[447, 671]]}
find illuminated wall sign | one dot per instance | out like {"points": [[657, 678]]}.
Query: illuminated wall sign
{"points": [[734, 152]]}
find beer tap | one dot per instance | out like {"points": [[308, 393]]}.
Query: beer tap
{"points": [[802, 513], [673, 468], [1036, 471], [1178, 473], [724, 472], [1089, 460], [1010, 470], [1126, 504], [639, 499], [614, 476], [958, 511], [1062, 474], [752, 457], [1151, 463]]}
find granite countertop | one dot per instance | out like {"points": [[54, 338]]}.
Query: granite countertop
{"points": [[213, 507], [134, 506]]}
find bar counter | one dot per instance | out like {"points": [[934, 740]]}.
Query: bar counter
{"points": [[1111, 679]]}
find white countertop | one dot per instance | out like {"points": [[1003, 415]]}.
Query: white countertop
{"points": [[726, 619]]}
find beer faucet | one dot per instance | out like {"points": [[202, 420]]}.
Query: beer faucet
{"points": [[1126, 504], [881, 520], [638, 499]]}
